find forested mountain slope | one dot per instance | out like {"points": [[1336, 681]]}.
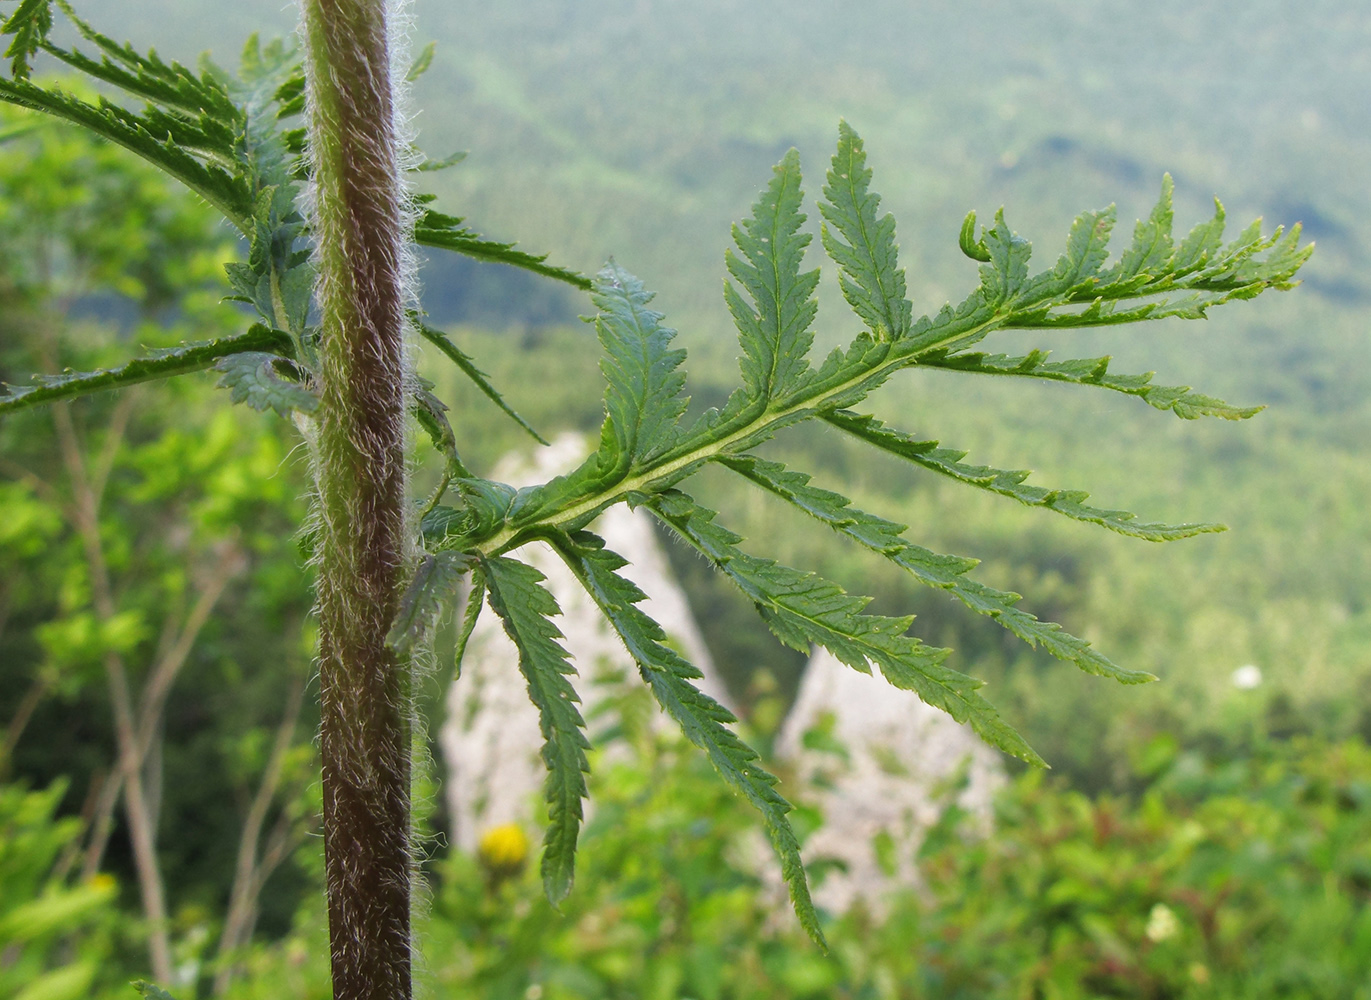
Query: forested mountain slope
{"points": [[643, 129]]}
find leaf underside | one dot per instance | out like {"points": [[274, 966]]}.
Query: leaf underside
{"points": [[431, 592], [252, 377]]}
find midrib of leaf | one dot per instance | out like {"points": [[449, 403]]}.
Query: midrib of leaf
{"points": [[775, 256], [678, 461]]}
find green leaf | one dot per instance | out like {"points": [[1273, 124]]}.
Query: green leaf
{"points": [[432, 166], [802, 608], [431, 413], [526, 608], [157, 365], [947, 462], [872, 281], [1094, 371], [1006, 273], [201, 97], [447, 232], [1202, 244], [433, 589], [966, 239], [1151, 251], [150, 137], [703, 721], [421, 64], [150, 991], [475, 598], [643, 401], [930, 568], [29, 25], [774, 331], [252, 377], [1072, 291], [467, 365], [1087, 248]]}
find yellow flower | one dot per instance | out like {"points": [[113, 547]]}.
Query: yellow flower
{"points": [[503, 850]]}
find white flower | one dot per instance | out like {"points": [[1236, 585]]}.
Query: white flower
{"points": [[1247, 677], [1162, 923]]}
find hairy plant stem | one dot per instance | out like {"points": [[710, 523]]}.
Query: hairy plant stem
{"points": [[360, 474]]}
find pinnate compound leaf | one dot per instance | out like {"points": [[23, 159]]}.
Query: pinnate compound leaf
{"points": [[432, 591], [29, 24], [703, 720], [1094, 371], [516, 594], [643, 380], [803, 608], [1008, 483], [157, 365], [467, 366], [252, 377], [862, 245], [930, 568], [774, 331]]}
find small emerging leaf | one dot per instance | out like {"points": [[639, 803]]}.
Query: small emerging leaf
{"points": [[431, 592], [251, 377], [966, 239], [421, 64]]}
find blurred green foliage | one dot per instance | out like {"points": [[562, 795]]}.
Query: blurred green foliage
{"points": [[1244, 815], [56, 939], [1247, 879]]}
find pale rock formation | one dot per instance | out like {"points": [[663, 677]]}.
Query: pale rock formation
{"points": [[490, 740], [898, 753], [886, 770]]}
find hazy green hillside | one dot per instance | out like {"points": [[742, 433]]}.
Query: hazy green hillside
{"points": [[643, 129]]}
